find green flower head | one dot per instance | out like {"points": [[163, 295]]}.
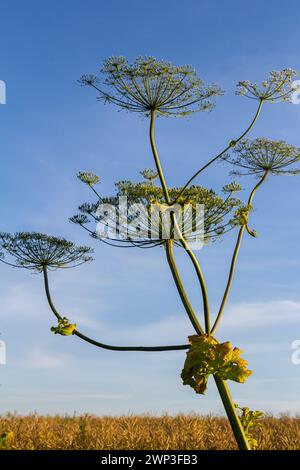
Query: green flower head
{"points": [[152, 85], [149, 174], [276, 88], [88, 178], [231, 188], [255, 157]]}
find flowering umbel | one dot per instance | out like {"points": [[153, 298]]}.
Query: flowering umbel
{"points": [[35, 251], [88, 178], [152, 85], [145, 217], [276, 88], [149, 174], [232, 188], [257, 156], [208, 357]]}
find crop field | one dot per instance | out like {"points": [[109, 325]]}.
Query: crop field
{"points": [[183, 432]]}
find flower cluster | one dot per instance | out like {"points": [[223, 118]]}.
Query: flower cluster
{"points": [[153, 85], [241, 218], [255, 157], [276, 88], [145, 215], [149, 174], [231, 188], [208, 357], [88, 178], [36, 251]]}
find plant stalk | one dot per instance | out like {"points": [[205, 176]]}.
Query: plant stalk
{"points": [[200, 276], [103, 345], [232, 415], [234, 258], [156, 159], [180, 288]]}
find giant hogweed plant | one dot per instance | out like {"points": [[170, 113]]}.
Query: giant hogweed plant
{"points": [[159, 89]]}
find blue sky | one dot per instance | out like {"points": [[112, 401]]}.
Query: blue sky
{"points": [[51, 128]]}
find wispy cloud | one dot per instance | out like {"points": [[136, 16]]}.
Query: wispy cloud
{"points": [[39, 359], [256, 314], [176, 328], [20, 299]]}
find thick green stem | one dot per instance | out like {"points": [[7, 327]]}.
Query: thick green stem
{"points": [[51, 304], [180, 288], [200, 276], [231, 412], [103, 345], [234, 258], [156, 159], [191, 255]]}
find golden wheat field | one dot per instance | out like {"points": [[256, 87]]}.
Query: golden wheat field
{"points": [[183, 432]]}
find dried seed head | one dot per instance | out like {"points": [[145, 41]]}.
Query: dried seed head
{"points": [[36, 251], [80, 219]]}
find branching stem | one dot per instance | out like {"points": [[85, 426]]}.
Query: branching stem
{"points": [[225, 395], [102, 345], [234, 258], [223, 151]]}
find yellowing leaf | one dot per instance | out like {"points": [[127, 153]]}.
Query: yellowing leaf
{"points": [[208, 357], [64, 328]]}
